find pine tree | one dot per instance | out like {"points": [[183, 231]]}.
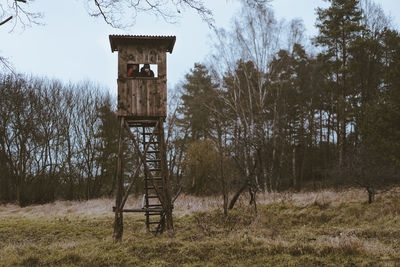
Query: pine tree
{"points": [[198, 94], [339, 26], [108, 147]]}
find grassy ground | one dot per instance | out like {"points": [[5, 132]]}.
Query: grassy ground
{"points": [[308, 229]]}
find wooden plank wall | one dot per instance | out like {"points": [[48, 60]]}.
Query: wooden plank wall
{"points": [[142, 97], [146, 98]]}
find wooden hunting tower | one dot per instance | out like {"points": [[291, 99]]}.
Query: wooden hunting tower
{"points": [[141, 97], [142, 109]]}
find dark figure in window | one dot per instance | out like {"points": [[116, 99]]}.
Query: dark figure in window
{"points": [[133, 70], [145, 71]]}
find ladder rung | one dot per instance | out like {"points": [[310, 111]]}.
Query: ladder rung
{"points": [[154, 209], [152, 187], [155, 170], [154, 205], [152, 196], [154, 222], [150, 133], [153, 151], [153, 213], [154, 142], [154, 178], [153, 160]]}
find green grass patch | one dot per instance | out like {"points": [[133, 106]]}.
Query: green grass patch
{"points": [[280, 234]]}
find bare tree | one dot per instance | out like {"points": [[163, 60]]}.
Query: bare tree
{"points": [[374, 17], [295, 35], [176, 139], [6, 65], [86, 126], [18, 12], [117, 13], [240, 66], [123, 13], [18, 133]]}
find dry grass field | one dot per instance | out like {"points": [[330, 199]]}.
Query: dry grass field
{"points": [[323, 228]]}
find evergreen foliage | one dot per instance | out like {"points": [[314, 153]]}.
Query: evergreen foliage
{"points": [[257, 118]]}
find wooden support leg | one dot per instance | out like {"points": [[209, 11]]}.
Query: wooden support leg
{"points": [[118, 226], [167, 205], [118, 222]]}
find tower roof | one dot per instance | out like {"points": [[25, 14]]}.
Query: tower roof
{"points": [[144, 40]]}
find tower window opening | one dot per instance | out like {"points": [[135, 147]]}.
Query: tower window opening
{"points": [[141, 70], [132, 70], [148, 70]]}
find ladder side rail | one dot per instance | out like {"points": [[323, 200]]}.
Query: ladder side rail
{"points": [[146, 168], [146, 192], [137, 169], [118, 220]]}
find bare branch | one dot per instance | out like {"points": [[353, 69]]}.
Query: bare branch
{"points": [[205, 13], [102, 12], [7, 65], [19, 13], [6, 20], [123, 13]]}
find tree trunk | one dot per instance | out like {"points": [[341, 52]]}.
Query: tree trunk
{"points": [[20, 191], [237, 195], [371, 194], [5, 185], [225, 196], [225, 191], [253, 194], [295, 186]]}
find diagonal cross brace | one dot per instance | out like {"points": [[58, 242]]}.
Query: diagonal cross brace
{"points": [[124, 199], [143, 161]]}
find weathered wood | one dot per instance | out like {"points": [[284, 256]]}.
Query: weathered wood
{"points": [[145, 177], [144, 99], [142, 96], [143, 160], [118, 220], [128, 190], [167, 200], [138, 90], [134, 84], [142, 102], [140, 210], [149, 88], [153, 103]]}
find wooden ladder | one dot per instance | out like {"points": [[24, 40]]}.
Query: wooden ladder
{"points": [[151, 204], [149, 143]]}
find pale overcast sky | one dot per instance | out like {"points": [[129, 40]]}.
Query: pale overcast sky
{"points": [[72, 46]]}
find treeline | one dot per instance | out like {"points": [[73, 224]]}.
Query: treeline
{"points": [[261, 118], [56, 141], [269, 111]]}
